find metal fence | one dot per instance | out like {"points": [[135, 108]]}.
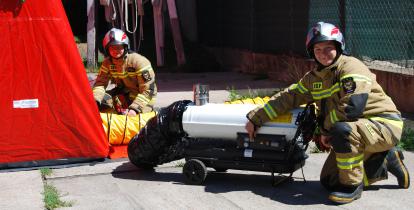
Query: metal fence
{"points": [[380, 32]]}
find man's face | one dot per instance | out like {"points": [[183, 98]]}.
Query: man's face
{"points": [[116, 51], [325, 52]]}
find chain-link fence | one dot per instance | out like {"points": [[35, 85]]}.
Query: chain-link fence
{"points": [[380, 32]]}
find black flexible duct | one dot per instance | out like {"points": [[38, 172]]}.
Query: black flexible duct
{"points": [[160, 140]]}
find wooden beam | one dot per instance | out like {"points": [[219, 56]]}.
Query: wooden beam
{"points": [[91, 36], [159, 31], [176, 32]]}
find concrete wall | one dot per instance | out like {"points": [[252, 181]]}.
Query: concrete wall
{"points": [[399, 87], [290, 68]]}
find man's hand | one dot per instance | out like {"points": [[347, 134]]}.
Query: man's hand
{"points": [[326, 141], [251, 130], [323, 142]]}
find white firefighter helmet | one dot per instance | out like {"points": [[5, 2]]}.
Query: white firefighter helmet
{"points": [[115, 37], [324, 32]]}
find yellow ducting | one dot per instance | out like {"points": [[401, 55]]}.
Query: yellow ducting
{"points": [[122, 127], [257, 100]]}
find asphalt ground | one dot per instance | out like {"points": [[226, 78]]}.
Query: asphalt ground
{"points": [[117, 184]]}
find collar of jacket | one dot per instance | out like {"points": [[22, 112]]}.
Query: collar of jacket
{"points": [[324, 71]]}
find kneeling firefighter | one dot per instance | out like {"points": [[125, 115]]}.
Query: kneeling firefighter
{"points": [[131, 73], [358, 122]]}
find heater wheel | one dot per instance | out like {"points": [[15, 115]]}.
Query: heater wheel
{"points": [[195, 172]]}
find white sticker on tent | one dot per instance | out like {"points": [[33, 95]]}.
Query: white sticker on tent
{"points": [[248, 153], [26, 104]]}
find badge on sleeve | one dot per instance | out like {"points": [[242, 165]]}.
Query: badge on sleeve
{"points": [[146, 75], [348, 84]]}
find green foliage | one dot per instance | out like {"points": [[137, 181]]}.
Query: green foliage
{"points": [[77, 40], [45, 172], [233, 95], [94, 70], [52, 198], [407, 139], [250, 93]]}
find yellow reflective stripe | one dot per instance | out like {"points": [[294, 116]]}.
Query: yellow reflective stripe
{"points": [[302, 88], [293, 86], [357, 77], [359, 157], [350, 166], [396, 123], [103, 69], [333, 116], [350, 163], [326, 93], [144, 68], [132, 73], [120, 76], [365, 178], [270, 111], [143, 98]]}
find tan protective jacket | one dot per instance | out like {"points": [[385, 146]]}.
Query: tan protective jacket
{"points": [[345, 91], [135, 76]]}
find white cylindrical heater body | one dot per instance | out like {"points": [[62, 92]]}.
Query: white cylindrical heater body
{"points": [[224, 121]]}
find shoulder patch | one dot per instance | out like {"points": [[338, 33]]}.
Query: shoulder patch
{"points": [[317, 85], [146, 75], [348, 85]]}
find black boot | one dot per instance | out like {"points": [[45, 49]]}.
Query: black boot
{"points": [[397, 168], [346, 194]]}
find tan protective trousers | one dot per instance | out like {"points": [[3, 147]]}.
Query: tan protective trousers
{"points": [[365, 139]]}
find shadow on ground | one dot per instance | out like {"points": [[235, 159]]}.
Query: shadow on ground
{"points": [[297, 192]]}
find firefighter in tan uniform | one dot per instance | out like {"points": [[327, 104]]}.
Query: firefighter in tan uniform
{"points": [[135, 89], [357, 119]]}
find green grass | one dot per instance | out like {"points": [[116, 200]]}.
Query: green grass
{"points": [[52, 198], [407, 139], [45, 172]]}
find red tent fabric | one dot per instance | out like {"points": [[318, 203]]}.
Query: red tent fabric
{"points": [[47, 111]]}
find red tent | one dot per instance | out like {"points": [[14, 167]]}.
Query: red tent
{"points": [[47, 111]]}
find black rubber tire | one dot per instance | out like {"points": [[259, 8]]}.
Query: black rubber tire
{"points": [[145, 148], [195, 172]]}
